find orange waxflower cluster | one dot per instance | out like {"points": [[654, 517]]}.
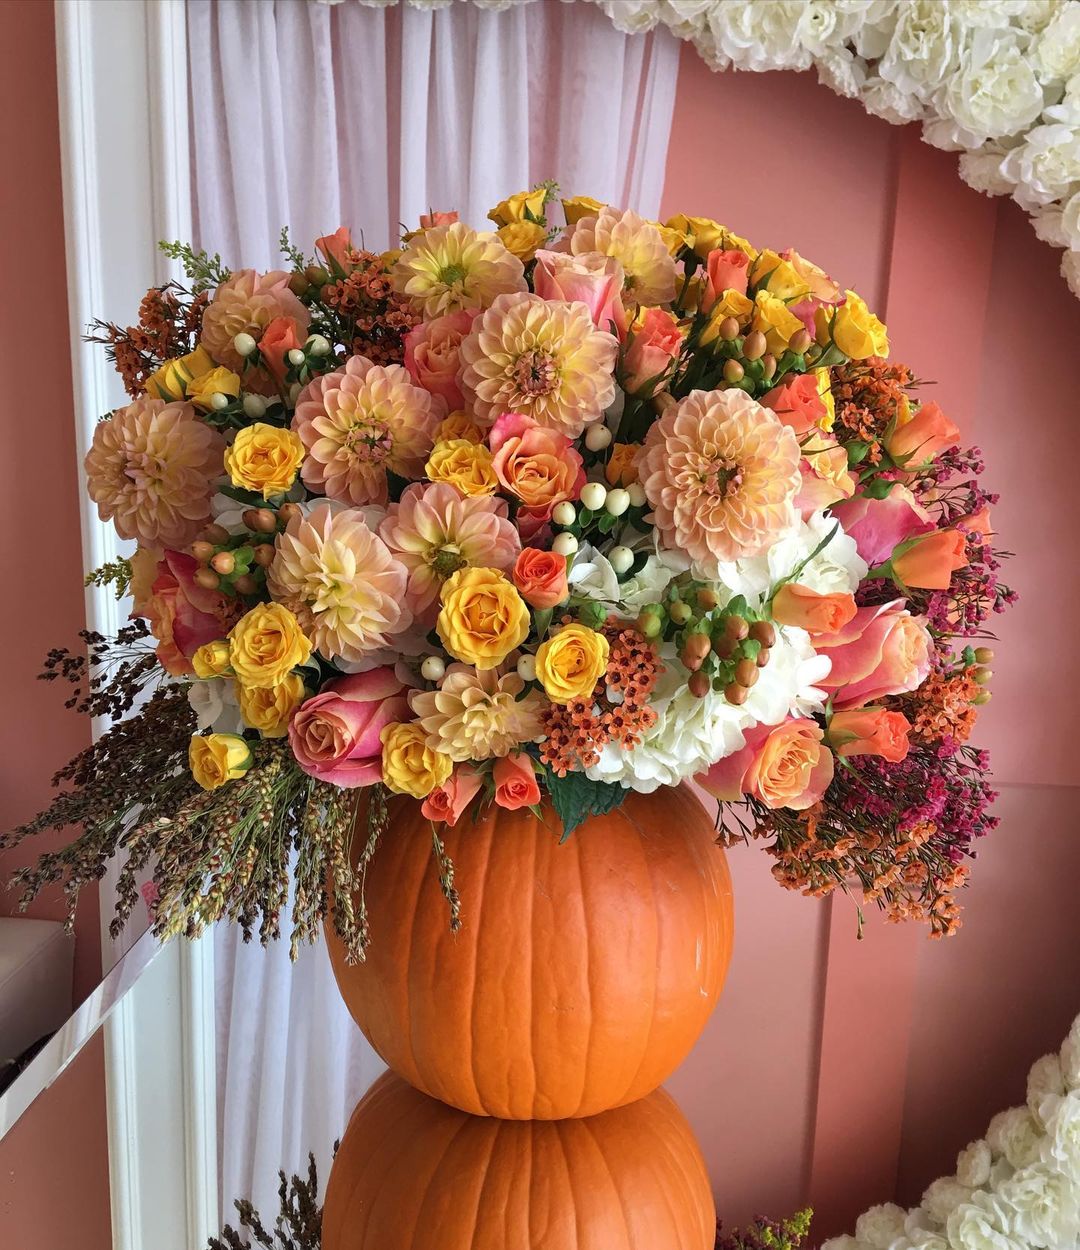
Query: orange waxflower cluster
{"points": [[867, 395], [167, 327], [617, 711], [943, 706], [380, 317]]}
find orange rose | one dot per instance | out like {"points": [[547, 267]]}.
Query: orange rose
{"points": [[540, 577], [926, 435], [536, 465], [807, 609], [278, 338], [928, 561], [515, 782], [334, 249], [448, 801], [798, 402], [787, 765], [870, 731], [622, 464]]}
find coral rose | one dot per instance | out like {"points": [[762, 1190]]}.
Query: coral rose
{"points": [[428, 221], [726, 269], [538, 466], [266, 644], [787, 765], [446, 802], [878, 526], [483, 618], [279, 338], [540, 577], [515, 782], [811, 610], [655, 339], [264, 458], [590, 279], [215, 759], [334, 249], [925, 436], [798, 402], [882, 650], [246, 303], [929, 561], [870, 731], [336, 735], [409, 765], [571, 662], [431, 354]]}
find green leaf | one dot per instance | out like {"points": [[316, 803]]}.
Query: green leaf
{"points": [[250, 497], [576, 798]]}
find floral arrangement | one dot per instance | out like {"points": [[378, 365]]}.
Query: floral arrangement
{"points": [[765, 1234], [560, 511], [1017, 1186]]}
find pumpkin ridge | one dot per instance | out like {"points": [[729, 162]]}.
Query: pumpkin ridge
{"points": [[417, 911], [530, 932], [613, 1183], [646, 1049], [668, 1112], [474, 998]]}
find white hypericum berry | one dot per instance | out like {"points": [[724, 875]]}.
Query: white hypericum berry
{"points": [[618, 500], [244, 344], [296, 356], [597, 437], [637, 495], [219, 401], [254, 406], [593, 495], [564, 544], [433, 668], [318, 346], [526, 667], [564, 513], [620, 559]]}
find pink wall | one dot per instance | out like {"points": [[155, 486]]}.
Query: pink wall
{"points": [[839, 1072]]}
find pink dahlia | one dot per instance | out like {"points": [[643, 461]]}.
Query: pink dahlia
{"points": [[542, 358], [246, 303], [151, 471], [360, 421], [648, 267], [434, 531], [721, 474]]}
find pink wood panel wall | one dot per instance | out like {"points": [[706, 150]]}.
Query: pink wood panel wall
{"points": [[841, 1072]]}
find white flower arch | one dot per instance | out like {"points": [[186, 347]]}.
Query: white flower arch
{"points": [[996, 80]]}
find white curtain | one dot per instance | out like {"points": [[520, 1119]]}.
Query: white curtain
{"points": [[314, 116]]}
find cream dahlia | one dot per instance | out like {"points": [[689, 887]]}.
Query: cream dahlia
{"points": [[637, 244], [360, 421], [434, 531], [246, 303], [151, 469], [340, 581], [477, 715], [721, 473], [541, 358], [453, 267]]}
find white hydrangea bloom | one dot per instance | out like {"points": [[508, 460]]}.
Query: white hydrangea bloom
{"points": [[826, 25], [973, 1164], [592, 577], [1045, 1087], [1061, 1145], [942, 1196], [1046, 165], [1035, 15], [1057, 52], [1014, 1135], [880, 1226]]}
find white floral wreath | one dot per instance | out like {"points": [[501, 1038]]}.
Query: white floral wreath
{"points": [[1018, 1186], [997, 80]]}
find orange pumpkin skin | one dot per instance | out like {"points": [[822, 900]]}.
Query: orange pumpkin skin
{"points": [[582, 974], [412, 1174]]}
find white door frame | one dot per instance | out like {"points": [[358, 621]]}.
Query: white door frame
{"points": [[125, 152]]}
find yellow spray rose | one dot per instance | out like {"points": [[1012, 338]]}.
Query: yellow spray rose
{"points": [[775, 320], [266, 644], [674, 240], [519, 207], [730, 304], [458, 425], [522, 238], [171, 381], [409, 765], [483, 618], [264, 458], [211, 659], [218, 381], [270, 708], [824, 387], [569, 664], [707, 236], [463, 464], [621, 468], [578, 206], [778, 276], [855, 329], [215, 759]]}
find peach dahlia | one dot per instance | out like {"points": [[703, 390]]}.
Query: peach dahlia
{"points": [[452, 267]]}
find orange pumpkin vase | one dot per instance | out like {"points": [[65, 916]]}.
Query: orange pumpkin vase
{"points": [[413, 1174], [582, 973]]}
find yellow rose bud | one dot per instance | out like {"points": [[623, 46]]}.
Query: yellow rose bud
{"points": [[621, 468], [674, 240], [522, 238], [217, 381], [458, 425], [854, 329], [483, 618], [270, 708], [468, 466], [778, 276], [215, 759], [569, 664], [521, 207], [730, 304], [409, 765], [264, 458], [171, 380], [775, 320], [708, 236], [579, 206], [266, 644], [211, 659], [824, 386]]}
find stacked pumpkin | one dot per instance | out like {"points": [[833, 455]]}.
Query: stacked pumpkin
{"points": [[525, 1048]]}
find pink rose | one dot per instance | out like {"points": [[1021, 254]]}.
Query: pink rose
{"points": [[334, 249], [655, 340], [590, 279], [448, 801], [724, 271], [926, 435], [785, 765], [335, 734], [824, 476], [431, 354], [797, 402], [878, 526], [882, 650], [536, 465], [182, 614], [279, 337], [429, 220], [515, 782]]}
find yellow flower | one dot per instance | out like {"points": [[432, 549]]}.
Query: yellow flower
{"points": [[774, 319], [389, 259], [674, 240], [458, 425], [579, 206], [264, 458], [621, 469], [463, 464], [570, 664], [215, 759], [270, 708], [708, 236], [483, 618], [522, 238], [409, 765], [854, 329], [448, 268], [171, 380], [524, 206], [267, 643], [211, 659], [730, 304], [824, 387], [778, 276], [217, 381]]}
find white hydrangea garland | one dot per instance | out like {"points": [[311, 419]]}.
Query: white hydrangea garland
{"points": [[1018, 1186], [996, 80]]}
